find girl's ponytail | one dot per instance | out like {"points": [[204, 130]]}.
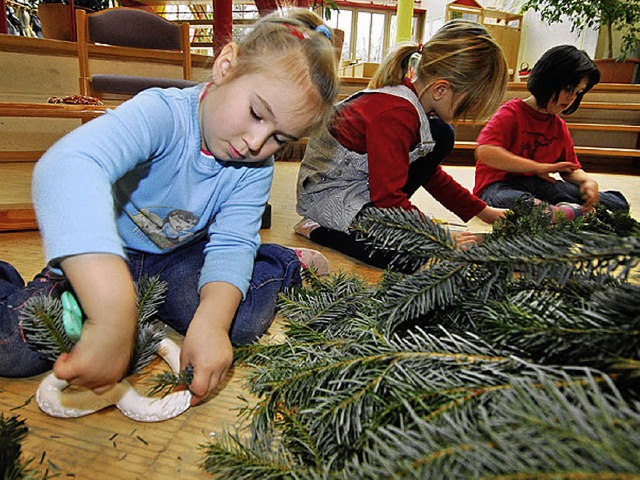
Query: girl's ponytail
{"points": [[395, 66]]}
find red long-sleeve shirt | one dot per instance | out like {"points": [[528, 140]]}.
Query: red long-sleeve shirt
{"points": [[387, 128]]}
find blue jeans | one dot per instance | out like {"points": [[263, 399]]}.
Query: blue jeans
{"points": [[275, 269], [504, 194]]}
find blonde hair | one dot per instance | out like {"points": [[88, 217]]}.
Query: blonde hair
{"points": [[291, 46], [462, 52]]}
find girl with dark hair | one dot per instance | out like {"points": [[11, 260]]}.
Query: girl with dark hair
{"points": [[527, 141]]}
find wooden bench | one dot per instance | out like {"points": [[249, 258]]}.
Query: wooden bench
{"points": [[50, 110], [38, 68], [581, 151], [593, 159], [20, 216], [43, 110]]}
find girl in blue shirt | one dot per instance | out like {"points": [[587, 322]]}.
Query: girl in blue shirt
{"points": [[174, 183]]}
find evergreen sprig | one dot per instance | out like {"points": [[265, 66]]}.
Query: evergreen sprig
{"points": [[230, 456], [151, 292], [164, 383], [13, 431], [540, 428], [41, 320], [149, 336], [448, 372], [412, 237]]}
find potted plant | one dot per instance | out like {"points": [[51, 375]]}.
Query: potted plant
{"points": [[56, 16], [621, 16]]}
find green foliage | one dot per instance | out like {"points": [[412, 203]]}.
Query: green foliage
{"points": [[517, 358], [41, 320], [327, 6], [12, 433], [565, 429], [622, 15], [164, 383]]}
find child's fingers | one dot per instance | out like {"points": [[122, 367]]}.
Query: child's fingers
{"points": [[465, 239], [63, 369], [203, 382], [68, 367]]}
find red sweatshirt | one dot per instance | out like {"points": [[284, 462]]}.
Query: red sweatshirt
{"points": [[387, 128]]}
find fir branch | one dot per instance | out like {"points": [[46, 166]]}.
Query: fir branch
{"points": [[537, 427], [417, 377], [322, 308], [341, 394], [13, 431], [435, 288], [549, 329], [148, 338], [573, 254], [409, 234], [230, 457], [41, 320], [525, 219], [151, 292], [164, 383], [609, 222]]}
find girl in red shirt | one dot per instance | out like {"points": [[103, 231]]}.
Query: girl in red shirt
{"points": [[526, 141], [389, 140]]}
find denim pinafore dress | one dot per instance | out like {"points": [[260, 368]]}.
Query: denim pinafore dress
{"points": [[333, 182]]}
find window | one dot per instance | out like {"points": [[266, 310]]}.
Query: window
{"points": [[370, 31]]}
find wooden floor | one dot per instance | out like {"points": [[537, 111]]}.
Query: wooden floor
{"points": [[107, 445]]}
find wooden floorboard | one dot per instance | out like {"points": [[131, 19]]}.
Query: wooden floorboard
{"points": [[107, 445]]}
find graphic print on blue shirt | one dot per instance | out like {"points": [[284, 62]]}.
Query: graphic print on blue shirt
{"points": [[165, 226]]}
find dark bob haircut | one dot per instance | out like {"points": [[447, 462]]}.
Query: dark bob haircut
{"points": [[559, 68]]}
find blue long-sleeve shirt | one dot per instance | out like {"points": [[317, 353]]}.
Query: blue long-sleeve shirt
{"points": [[136, 177]]}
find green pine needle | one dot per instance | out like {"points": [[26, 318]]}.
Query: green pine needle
{"points": [[151, 292], [13, 431], [41, 320], [162, 384], [475, 366]]}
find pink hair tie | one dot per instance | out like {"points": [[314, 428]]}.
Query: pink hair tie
{"points": [[295, 32]]}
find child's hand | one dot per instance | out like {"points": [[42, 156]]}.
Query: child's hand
{"points": [[464, 239], [104, 288], [491, 214], [544, 170], [210, 354], [207, 347], [99, 360], [589, 190]]}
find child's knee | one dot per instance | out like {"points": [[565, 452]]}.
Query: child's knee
{"points": [[17, 358], [614, 201]]}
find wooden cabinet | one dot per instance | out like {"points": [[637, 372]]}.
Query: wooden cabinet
{"points": [[505, 27]]}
